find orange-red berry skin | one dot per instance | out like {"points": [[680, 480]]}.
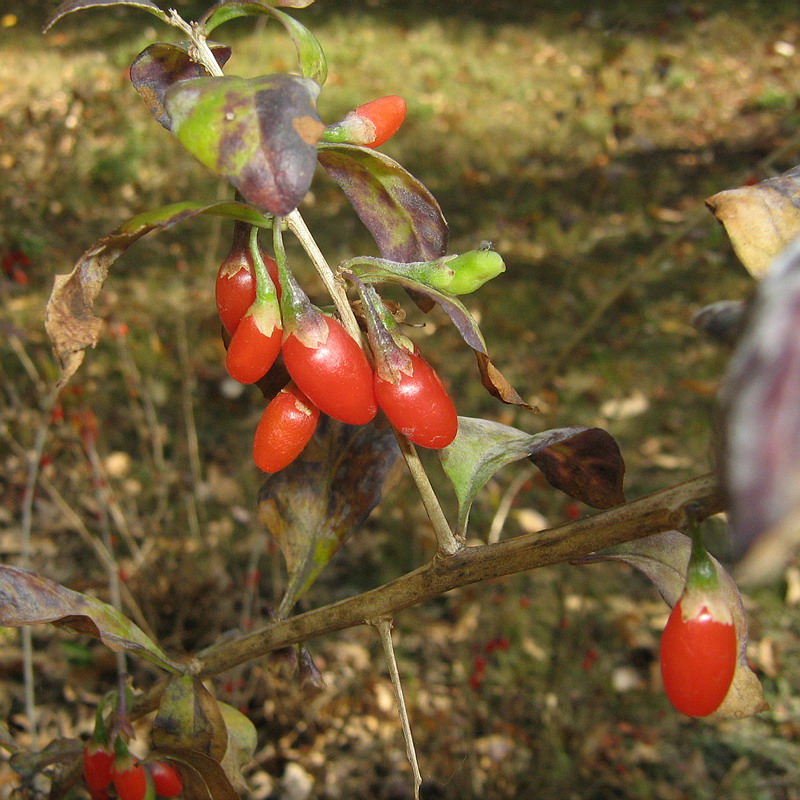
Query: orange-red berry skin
{"points": [[418, 405], [131, 784], [386, 114], [698, 660], [235, 289], [334, 375], [287, 424], [166, 779], [97, 763], [251, 353]]}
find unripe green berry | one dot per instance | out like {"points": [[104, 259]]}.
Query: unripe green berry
{"points": [[472, 269]]}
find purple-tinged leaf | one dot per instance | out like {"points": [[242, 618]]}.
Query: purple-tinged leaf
{"points": [[69, 317], [69, 6], [310, 55], [312, 505], [401, 214], [761, 407], [162, 65], [30, 599], [259, 133], [664, 558], [584, 463]]}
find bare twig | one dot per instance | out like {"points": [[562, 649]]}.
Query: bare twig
{"points": [[384, 628]]}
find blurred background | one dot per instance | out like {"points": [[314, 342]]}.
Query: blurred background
{"points": [[581, 139]]}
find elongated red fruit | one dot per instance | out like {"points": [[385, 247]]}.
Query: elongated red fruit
{"points": [[255, 344], [97, 761], [287, 424], [235, 287], [166, 780], [698, 659], [418, 404], [386, 114], [334, 374]]}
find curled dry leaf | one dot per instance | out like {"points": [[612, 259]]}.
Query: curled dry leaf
{"points": [[69, 317], [761, 220], [584, 463], [203, 776], [663, 558], [761, 415], [29, 599], [242, 742]]}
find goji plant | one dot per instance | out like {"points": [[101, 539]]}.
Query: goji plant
{"points": [[348, 395]]}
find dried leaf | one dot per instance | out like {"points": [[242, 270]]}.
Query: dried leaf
{"points": [[585, 463], [761, 220], [316, 502], [29, 599], [401, 214], [189, 718], [69, 6], [259, 133], [203, 776], [69, 317], [162, 65], [663, 558], [59, 751], [761, 398], [310, 55]]}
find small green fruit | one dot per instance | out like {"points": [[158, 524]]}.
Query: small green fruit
{"points": [[472, 269]]}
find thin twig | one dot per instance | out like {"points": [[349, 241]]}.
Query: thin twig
{"points": [[384, 628]]}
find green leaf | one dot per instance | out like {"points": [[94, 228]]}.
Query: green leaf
{"points": [[664, 558], [259, 133], [69, 318], [30, 599], [69, 6], [310, 55], [189, 718], [242, 743], [162, 65], [312, 505], [582, 462], [401, 214]]}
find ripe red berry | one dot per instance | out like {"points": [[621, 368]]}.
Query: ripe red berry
{"points": [[698, 659], [334, 374], [166, 779], [255, 344], [286, 425], [129, 781], [417, 404], [235, 287], [386, 115], [97, 761]]}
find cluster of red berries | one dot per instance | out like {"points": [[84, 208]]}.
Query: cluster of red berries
{"points": [[267, 314], [104, 766]]}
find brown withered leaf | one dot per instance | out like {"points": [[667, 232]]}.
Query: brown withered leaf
{"points": [[203, 776], [761, 220], [663, 558], [312, 505], [585, 463], [69, 317]]}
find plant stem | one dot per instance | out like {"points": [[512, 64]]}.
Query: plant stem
{"points": [[655, 513], [384, 628]]}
